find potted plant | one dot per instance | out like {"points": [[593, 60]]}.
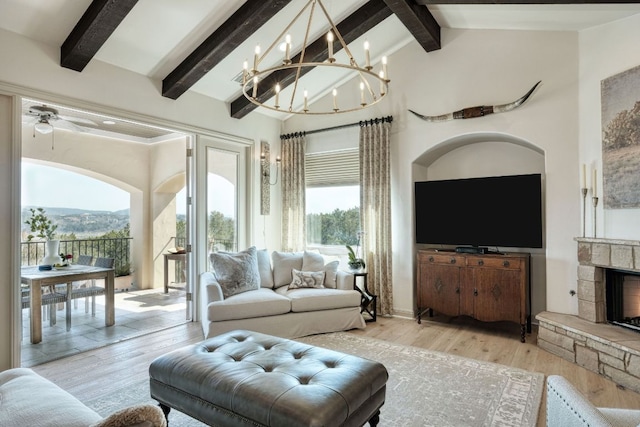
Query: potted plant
{"points": [[355, 262], [40, 224]]}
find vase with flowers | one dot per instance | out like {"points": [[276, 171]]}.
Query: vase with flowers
{"points": [[41, 227]]}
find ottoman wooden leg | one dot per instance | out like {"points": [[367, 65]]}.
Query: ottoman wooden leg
{"points": [[165, 410], [373, 422]]}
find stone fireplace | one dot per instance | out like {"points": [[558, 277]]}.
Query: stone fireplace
{"points": [[588, 339]]}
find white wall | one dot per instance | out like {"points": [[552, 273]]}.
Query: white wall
{"points": [[475, 68], [604, 52], [31, 68]]}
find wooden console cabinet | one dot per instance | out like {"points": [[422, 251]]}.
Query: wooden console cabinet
{"points": [[487, 287]]}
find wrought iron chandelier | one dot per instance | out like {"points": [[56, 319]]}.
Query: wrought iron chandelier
{"points": [[369, 89]]}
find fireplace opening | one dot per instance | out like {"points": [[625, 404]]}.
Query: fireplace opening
{"points": [[623, 298]]}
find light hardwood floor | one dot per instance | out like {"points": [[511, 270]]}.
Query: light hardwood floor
{"points": [[99, 372]]}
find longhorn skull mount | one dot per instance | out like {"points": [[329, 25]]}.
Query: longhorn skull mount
{"points": [[479, 111]]}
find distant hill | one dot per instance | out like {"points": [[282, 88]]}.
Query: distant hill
{"points": [[72, 211], [82, 222]]}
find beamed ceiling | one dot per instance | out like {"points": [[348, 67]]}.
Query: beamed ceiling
{"points": [[199, 45]]}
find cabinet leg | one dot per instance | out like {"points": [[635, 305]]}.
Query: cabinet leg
{"points": [[522, 329]]}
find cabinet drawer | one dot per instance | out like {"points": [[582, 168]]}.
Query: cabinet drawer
{"points": [[441, 258], [502, 263]]}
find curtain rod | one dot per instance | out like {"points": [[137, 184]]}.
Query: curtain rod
{"points": [[361, 123]]}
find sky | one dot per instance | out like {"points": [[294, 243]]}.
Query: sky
{"points": [[46, 186]]}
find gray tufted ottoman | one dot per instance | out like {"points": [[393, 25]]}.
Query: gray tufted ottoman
{"points": [[245, 378]]}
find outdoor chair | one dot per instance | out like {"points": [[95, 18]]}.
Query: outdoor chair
{"points": [[82, 260], [85, 291], [49, 301]]}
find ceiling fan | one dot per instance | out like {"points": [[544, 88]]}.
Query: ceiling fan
{"points": [[45, 118]]}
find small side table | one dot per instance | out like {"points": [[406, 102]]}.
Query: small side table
{"points": [[174, 257], [367, 299]]}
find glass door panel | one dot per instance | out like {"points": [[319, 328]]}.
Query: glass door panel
{"points": [[222, 200]]}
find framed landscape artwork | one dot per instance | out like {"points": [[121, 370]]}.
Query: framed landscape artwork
{"points": [[620, 97]]}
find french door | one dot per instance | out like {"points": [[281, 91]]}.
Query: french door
{"points": [[222, 194]]}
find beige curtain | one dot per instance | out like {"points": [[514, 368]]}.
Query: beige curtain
{"points": [[294, 227], [375, 209]]}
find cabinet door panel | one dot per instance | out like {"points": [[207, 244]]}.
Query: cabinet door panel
{"points": [[440, 288], [499, 295]]}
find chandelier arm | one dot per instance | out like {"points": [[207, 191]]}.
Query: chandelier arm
{"points": [[302, 52], [367, 84], [338, 35], [285, 31]]}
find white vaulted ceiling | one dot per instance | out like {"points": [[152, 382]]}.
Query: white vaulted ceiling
{"points": [[157, 35]]}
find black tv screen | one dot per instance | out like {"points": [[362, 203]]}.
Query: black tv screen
{"points": [[490, 211]]}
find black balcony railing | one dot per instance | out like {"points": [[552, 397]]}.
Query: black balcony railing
{"points": [[119, 249]]}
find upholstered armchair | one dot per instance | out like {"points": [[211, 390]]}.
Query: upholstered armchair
{"points": [[567, 407]]}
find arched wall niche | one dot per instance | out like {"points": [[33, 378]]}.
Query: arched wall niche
{"points": [[490, 154]]}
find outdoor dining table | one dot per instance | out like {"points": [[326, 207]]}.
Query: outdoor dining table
{"points": [[36, 280]]}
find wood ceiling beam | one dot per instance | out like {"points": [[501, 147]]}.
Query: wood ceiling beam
{"points": [[98, 22], [231, 34], [355, 25], [418, 21]]}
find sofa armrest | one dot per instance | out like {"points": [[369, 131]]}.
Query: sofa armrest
{"points": [[210, 289], [344, 280], [135, 416], [567, 407]]}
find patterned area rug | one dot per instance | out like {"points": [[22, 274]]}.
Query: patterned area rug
{"points": [[425, 388]]}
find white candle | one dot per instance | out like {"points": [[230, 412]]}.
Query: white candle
{"points": [[305, 100], [256, 57], [384, 67], [277, 95], [594, 184], [287, 48], [366, 54], [335, 99], [330, 44], [255, 86], [245, 71], [381, 83], [362, 94], [584, 176]]}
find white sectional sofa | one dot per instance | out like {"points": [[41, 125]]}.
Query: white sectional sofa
{"points": [[288, 301]]}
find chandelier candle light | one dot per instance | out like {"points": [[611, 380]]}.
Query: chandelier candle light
{"points": [[370, 92]]}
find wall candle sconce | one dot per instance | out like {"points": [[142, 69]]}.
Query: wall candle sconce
{"points": [[265, 173]]}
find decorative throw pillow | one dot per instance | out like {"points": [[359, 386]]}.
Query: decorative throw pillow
{"points": [[236, 272], [283, 265], [264, 267], [307, 279], [312, 261]]}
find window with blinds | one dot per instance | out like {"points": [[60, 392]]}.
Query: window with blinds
{"points": [[332, 168], [332, 199]]}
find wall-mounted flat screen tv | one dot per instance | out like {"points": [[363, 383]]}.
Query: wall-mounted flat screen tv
{"points": [[484, 212]]}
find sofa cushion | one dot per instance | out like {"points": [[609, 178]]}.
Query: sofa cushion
{"points": [[258, 303], [307, 279], [236, 272], [283, 265], [313, 261], [52, 405], [264, 267], [310, 299]]}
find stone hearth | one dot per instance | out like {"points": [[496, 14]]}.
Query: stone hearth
{"points": [[586, 339]]}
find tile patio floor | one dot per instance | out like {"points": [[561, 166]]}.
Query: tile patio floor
{"points": [[137, 313]]}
